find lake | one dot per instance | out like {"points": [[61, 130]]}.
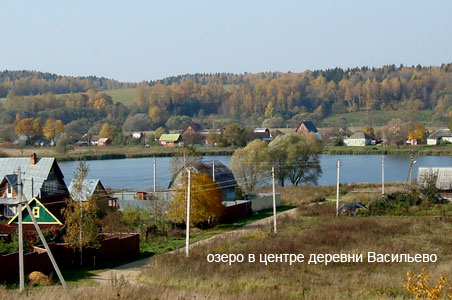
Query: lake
{"points": [[136, 173]]}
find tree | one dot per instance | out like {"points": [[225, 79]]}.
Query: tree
{"points": [[81, 219], [108, 131], [296, 158], [369, 130], [205, 201], [63, 144], [27, 127], [138, 122], [158, 133], [52, 128], [236, 136], [416, 131], [251, 163]]}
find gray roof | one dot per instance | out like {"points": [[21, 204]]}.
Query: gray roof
{"points": [[440, 133], [443, 177], [33, 176], [360, 135], [88, 188]]}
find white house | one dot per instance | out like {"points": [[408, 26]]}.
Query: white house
{"points": [[438, 136], [359, 139], [137, 135]]}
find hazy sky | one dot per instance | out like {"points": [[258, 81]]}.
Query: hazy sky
{"points": [[144, 40]]}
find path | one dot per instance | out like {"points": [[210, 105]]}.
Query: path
{"points": [[131, 271]]}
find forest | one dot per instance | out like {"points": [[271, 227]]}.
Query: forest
{"points": [[269, 99]]}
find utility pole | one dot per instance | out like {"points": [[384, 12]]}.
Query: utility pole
{"points": [[46, 246], [382, 175], [213, 170], [410, 171], [187, 230], [21, 235], [275, 230], [184, 160], [337, 186], [154, 172]]}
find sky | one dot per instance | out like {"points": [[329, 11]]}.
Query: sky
{"points": [[146, 40]]}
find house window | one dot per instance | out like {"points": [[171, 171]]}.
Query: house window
{"points": [[9, 211], [36, 212], [9, 192]]}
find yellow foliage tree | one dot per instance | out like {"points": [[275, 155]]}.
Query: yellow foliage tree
{"points": [[205, 200], [416, 131], [52, 128], [369, 130], [28, 127], [108, 131], [155, 113]]}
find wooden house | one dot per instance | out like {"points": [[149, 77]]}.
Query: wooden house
{"points": [[93, 188], [40, 212], [170, 139], [102, 142], [306, 127], [41, 179]]}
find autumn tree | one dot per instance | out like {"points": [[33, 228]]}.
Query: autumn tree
{"points": [[108, 131], [205, 200], [81, 220], [416, 131], [28, 127], [250, 164], [369, 130], [52, 128]]}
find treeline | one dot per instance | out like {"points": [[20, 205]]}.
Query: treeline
{"points": [[307, 95], [25, 83]]}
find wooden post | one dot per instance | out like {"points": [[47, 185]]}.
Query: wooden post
{"points": [[275, 230], [337, 186], [382, 175], [187, 230], [46, 246], [154, 173], [21, 234]]}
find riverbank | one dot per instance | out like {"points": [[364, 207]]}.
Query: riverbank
{"points": [[111, 152], [418, 150]]}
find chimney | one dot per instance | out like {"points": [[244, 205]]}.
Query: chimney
{"points": [[33, 159]]}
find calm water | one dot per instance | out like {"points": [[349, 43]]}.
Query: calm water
{"points": [[136, 173]]}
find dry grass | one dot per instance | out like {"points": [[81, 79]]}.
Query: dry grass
{"points": [[310, 235]]}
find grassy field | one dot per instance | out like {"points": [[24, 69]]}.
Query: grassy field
{"points": [[363, 118], [125, 96], [111, 152], [438, 150]]}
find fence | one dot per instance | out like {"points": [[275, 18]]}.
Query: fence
{"points": [[263, 201], [235, 210], [113, 248]]}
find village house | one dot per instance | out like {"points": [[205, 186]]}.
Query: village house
{"points": [[359, 139], [441, 177], [95, 189], [192, 128], [102, 142], [170, 139], [263, 134], [306, 127], [41, 214], [438, 136], [41, 179], [215, 170]]}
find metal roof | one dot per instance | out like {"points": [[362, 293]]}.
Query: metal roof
{"points": [[360, 135], [170, 137], [87, 189], [445, 132], [443, 177], [33, 176]]}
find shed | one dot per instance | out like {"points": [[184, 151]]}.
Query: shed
{"points": [[170, 139]]}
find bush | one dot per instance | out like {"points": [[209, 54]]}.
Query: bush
{"points": [[394, 203]]}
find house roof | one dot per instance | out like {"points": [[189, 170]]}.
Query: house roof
{"points": [[103, 140], [223, 175], [12, 179], [33, 176], [194, 126], [309, 125], [445, 132], [87, 190], [261, 130], [360, 135], [170, 137], [443, 177], [45, 217]]}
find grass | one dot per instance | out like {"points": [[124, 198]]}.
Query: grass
{"points": [[374, 117], [125, 96], [427, 150]]}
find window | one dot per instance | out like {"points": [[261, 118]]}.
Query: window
{"points": [[9, 192], [36, 212]]}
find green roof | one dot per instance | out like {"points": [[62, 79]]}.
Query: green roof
{"points": [[42, 214], [169, 137]]}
